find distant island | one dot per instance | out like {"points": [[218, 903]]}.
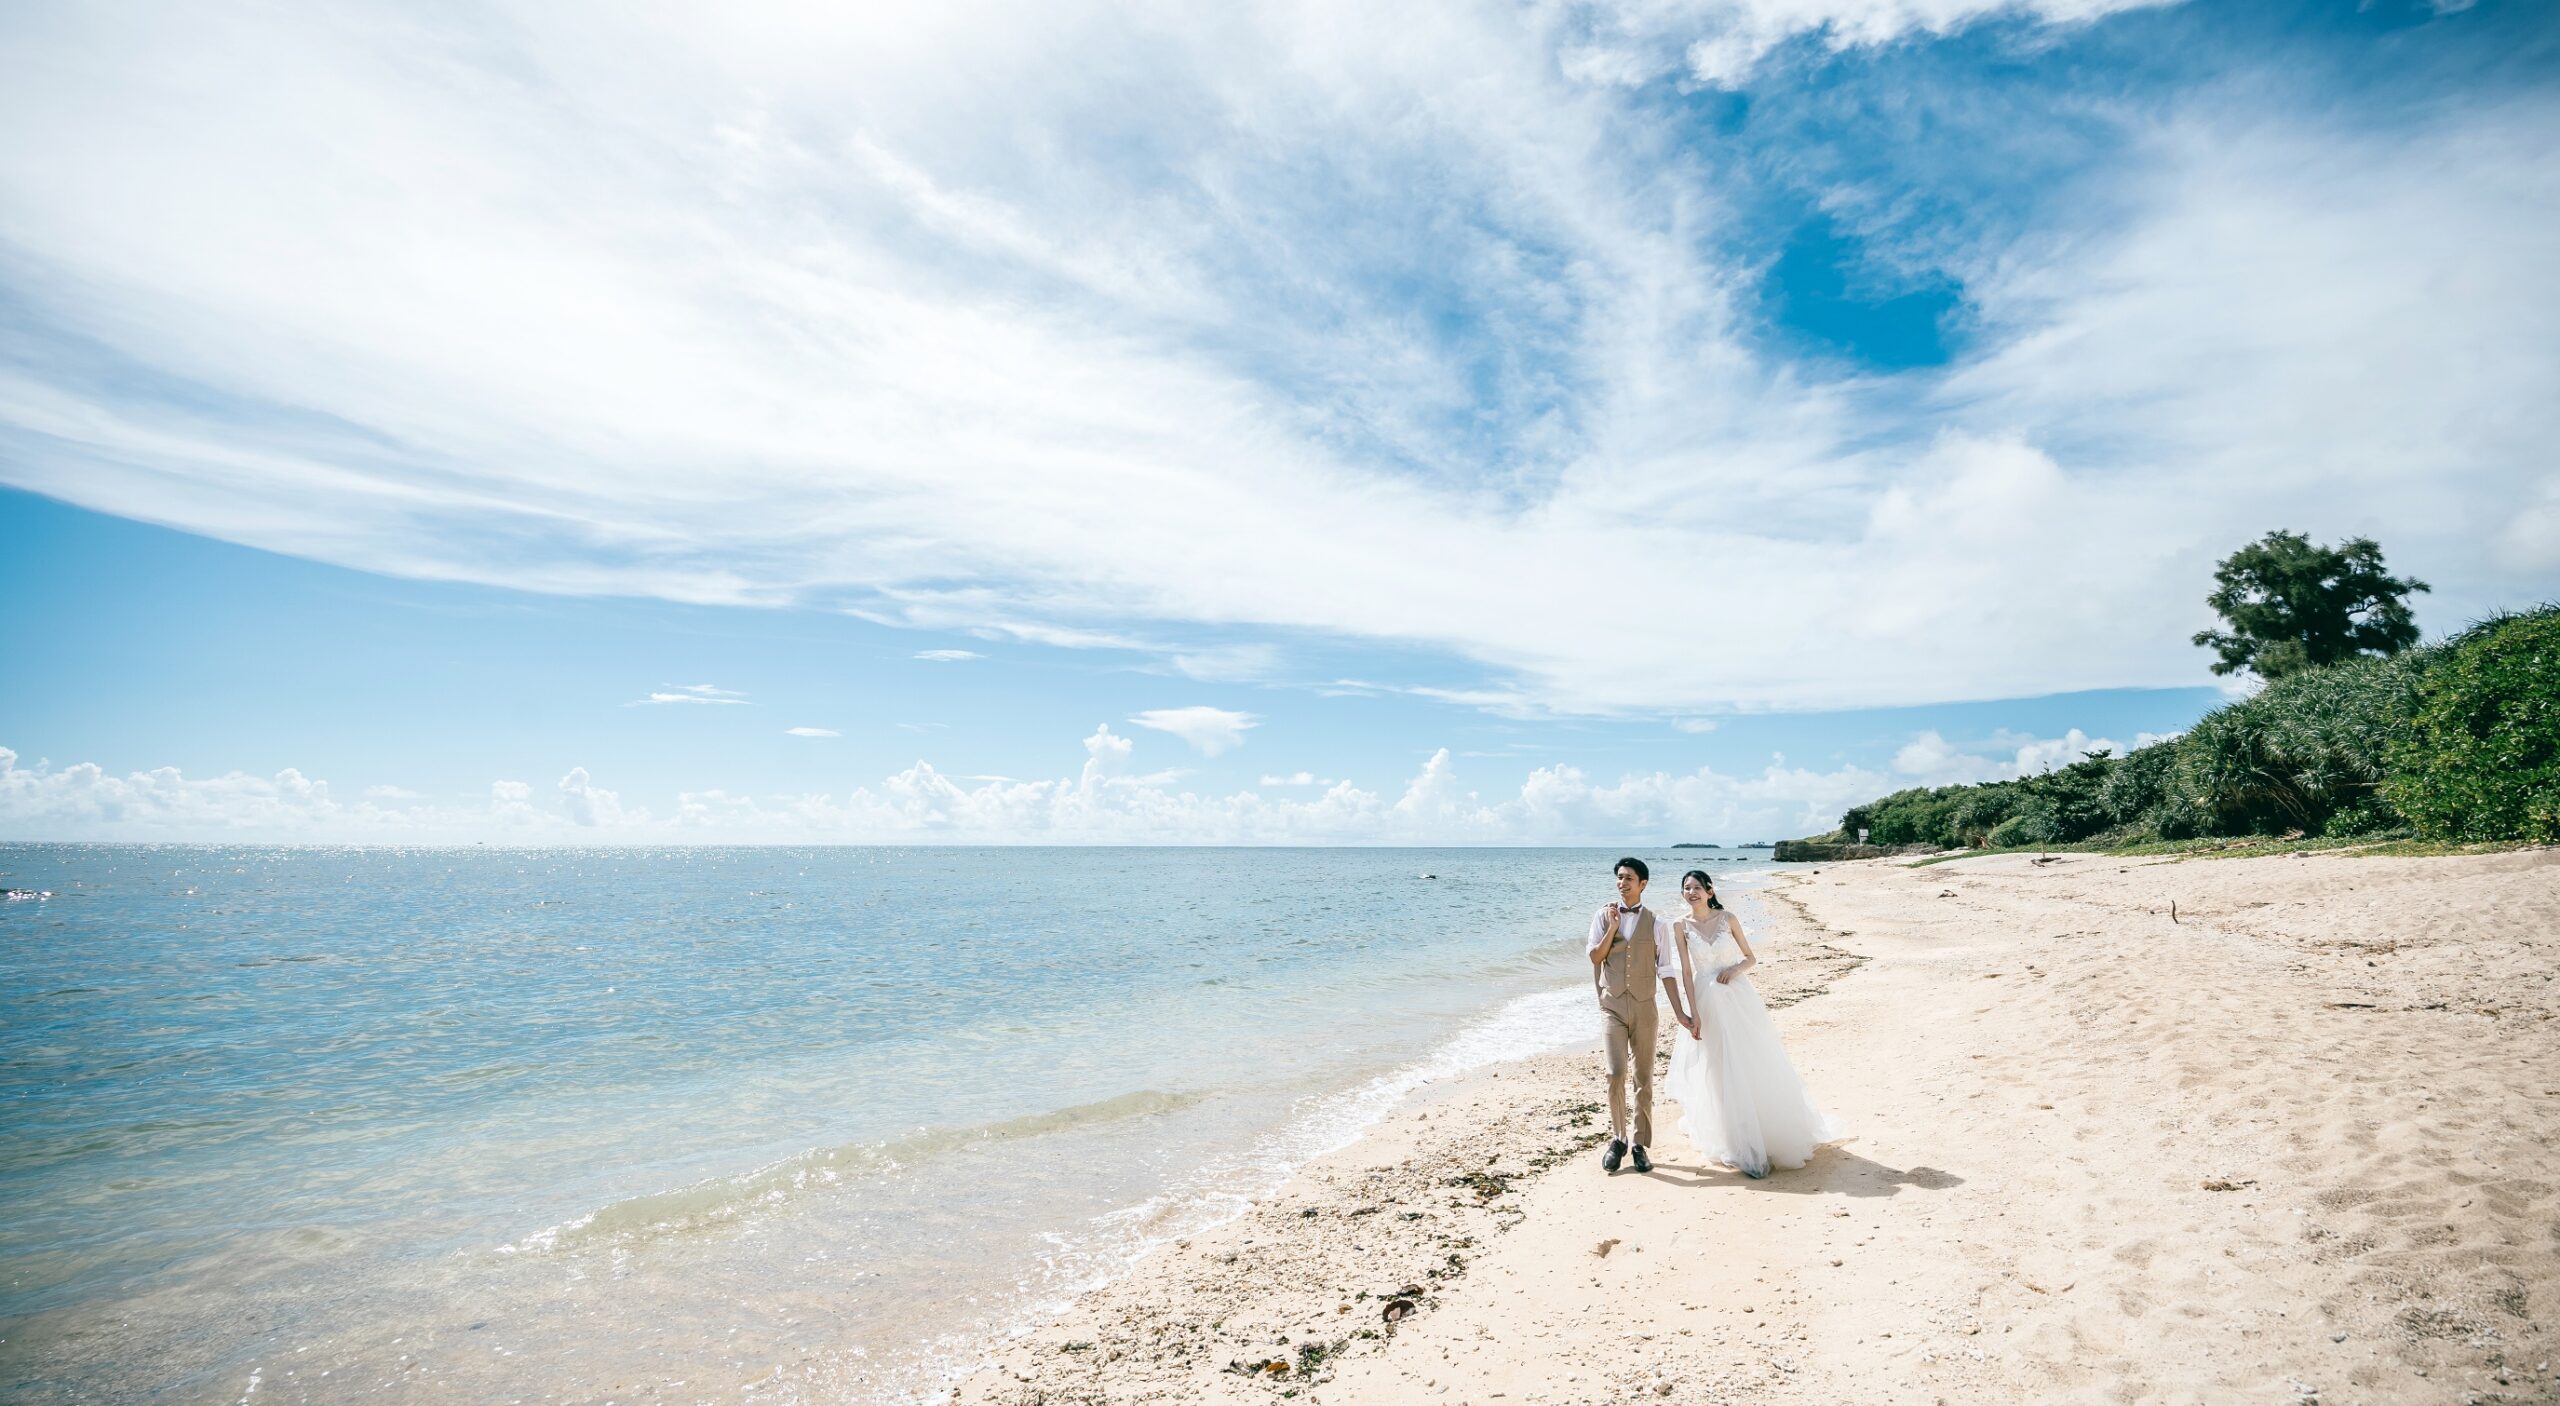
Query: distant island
{"points": [[1696, 846]]}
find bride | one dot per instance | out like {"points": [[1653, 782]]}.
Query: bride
{"points": [[1740, 1099]]}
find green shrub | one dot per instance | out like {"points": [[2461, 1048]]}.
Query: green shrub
{"points": [[2031, 826], [2139, 782], [1903, 818], [2461, 740], [2480, 756], [2310, 747], [2075, 797], [1980, 811], [2143, 800]]}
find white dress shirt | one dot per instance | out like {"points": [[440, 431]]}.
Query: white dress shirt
{"points": [[1666, 956]]}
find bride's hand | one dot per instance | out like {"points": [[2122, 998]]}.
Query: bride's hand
{"points": [[1725, 977]]}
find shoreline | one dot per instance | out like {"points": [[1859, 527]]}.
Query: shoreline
{"points": [[2213, 1156], [1394, 1218]]}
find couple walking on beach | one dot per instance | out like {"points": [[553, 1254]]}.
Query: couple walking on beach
{"points": [[1741, 1101]]}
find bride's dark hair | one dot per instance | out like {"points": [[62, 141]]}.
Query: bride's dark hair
{"points": [[1706, 883]]}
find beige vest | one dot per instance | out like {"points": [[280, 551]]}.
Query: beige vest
{"points": [[1628, 969]]}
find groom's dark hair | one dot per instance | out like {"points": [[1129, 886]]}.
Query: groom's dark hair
{"points": [[1631, 862]]}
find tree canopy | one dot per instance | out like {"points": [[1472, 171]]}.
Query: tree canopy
{"points": [[2293, 604]]}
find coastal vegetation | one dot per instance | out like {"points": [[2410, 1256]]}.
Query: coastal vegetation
{"points": [[2290, 604], [2356, 735]]}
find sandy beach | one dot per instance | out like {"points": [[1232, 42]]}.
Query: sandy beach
{"points": [[2290, 1141]]}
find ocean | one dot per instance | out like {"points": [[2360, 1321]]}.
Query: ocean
{"points": [[821, 1124]]}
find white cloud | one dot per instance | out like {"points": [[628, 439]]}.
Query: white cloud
{"points": [[948, 656], [1209, 730], [811, 732], [487, 318], [86, 802], [1234, 663], [1102, 803], [1723, 42], [1928, 759], [1694, 724], [2529, 543], [84, 799], [1747, 30], [1106, 754], [1503, 702], [588, 804], [2290, 322], [692, 693]]}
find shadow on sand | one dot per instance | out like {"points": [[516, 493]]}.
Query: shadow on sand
{"points": [[1834, 1171]]}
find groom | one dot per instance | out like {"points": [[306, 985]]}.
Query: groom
{"points": [[1630, 949]]}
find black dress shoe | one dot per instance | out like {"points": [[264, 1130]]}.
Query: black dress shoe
{"points": [[1643, 1163], [1609, 1159]]}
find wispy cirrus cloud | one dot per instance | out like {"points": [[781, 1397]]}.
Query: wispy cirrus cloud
{"points": [[948, 656], [698, 693], [1362, 325], [1722, 42], [811, 732], [1208, 730]]}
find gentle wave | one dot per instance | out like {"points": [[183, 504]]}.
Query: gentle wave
{"points": [[1540, 1023], [1111, 1244], [724, 1199]]}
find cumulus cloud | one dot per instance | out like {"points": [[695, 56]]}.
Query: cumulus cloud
{"points": [[588, 804], [1929, 759], [1106, 755], [811, 732], [85, 801], [1209, 730], [1104, 802]]}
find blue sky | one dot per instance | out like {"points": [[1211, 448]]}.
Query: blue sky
{"points": [[1464, 423]]}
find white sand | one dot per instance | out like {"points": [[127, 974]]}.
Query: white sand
{"points": [[2046, 1078]]}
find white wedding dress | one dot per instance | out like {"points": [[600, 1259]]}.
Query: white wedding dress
{"points": [[1741, 1101]]}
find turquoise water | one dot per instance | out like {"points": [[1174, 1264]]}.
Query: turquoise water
{"points": [[313, 1123]]}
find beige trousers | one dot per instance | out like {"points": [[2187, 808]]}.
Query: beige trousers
{"points": [[1628, 1025]]}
